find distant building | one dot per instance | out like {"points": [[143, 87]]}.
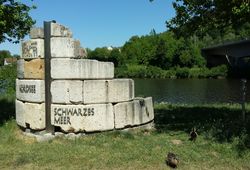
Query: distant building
{"points": [[10, 60], [110, 48]]}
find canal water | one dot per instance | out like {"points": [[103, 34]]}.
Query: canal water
{"points": [[191, 91]]}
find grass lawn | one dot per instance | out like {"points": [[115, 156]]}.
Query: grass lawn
{"points": [[217, 147]]}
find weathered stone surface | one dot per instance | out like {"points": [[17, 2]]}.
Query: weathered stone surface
{"points": [[30, 114], [81, 69], [108, 91], [67, 91], [20, 113], [33, 69], [58, 30], [121, 90], [33, 48], [20, 68], [36, 33], [83, 118], [62, 47], [79, 52], [139, 111], [30, 90]]}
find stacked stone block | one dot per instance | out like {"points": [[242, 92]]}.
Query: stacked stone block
{"points": [[85, 96], [30, 98]]}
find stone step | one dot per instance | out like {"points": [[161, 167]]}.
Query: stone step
{"points": [[36, 32], [83, 118], [33, 69], [92, 91], [58, 30], [30, 90], [136, 112], [81, 69], [62, 47], [67, 91], [108, 91], [30, 115], [33, 48]]}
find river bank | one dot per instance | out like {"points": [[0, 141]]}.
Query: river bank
{"points": [[141, 71]]}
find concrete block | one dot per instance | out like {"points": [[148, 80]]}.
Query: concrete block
{"points": [[67, 91], [106, 68], [30, 114], [20, 113], [121, 90], [33, 69], [83, 118], [62, 47], [81, 69], [33, 48], [20, 68], [79, 52], [58, 30], [108, 91], [136, 112], [36, 33], [30, 90]]}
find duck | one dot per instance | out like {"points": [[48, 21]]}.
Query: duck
{"points": [[172, 160], [193, 134]]}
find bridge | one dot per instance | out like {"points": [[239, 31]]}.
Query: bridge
{"points": [[236, 54]]}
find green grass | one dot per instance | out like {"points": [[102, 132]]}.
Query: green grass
{"points": [[137, 149]]}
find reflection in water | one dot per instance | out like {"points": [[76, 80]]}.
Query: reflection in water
{"points": [[191, 90]]}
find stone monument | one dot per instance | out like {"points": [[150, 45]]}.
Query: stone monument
{"points": [[83, 94]]}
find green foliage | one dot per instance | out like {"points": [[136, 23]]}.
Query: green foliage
{"points": [[15, 21], [104, 54], [219, 71], [142, 71], [4, 54], [202, 17], [7, 105], [182, 72], [8, 76]]}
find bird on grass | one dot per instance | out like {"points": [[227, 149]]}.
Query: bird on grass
{"points": [[193, 134], [172, 160]]}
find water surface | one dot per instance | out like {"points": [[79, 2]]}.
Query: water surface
{"points": [[191, 91]]}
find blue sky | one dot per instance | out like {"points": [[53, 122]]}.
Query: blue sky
{"points": [[98, 23]]}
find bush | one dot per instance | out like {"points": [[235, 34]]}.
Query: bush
{"points": [[219, 71], [8, 79], [141, 71], [182, 72]]}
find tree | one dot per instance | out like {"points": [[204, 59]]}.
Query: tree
{"points": [[202, 16], [4, 54], [15, 21], [101, 54]]}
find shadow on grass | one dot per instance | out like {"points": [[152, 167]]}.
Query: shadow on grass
{"points": [[220, 122], [7, 109]]}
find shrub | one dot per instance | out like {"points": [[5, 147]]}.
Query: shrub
{"points": [[182, 72]]}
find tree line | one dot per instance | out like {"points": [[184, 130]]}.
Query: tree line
{"points": [[177, 51], [166, 55]]}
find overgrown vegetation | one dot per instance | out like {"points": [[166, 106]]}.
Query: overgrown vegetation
{"points": [[15, 20], [141, 71], [222, 143], [8, 76]]}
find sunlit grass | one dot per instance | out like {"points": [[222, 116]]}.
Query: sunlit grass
{"points": [[221, 143], [138, 149]]}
